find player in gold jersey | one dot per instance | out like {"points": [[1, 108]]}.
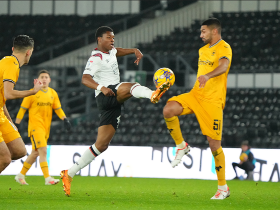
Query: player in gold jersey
{"points": [[11, 145], [40, 108], [206, 100]]}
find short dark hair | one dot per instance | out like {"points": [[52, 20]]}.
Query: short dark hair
{"points": [[245, 142], [43, 71], [102, 30], [213, 22], [23, 42]]}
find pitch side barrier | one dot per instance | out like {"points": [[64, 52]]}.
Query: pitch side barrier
{"points": [[153, 162]]}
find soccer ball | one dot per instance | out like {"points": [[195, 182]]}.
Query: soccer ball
{"points": [[243, 157], [164, 75]]}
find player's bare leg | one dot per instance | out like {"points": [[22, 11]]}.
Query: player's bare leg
{"points": [[123, 92], [171, 111], [17, 148], [20, 177], [5, 156], [104, 137], [32, 157], [219, 157]]}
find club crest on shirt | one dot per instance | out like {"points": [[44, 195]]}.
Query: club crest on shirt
{"points": [[213, 53]]}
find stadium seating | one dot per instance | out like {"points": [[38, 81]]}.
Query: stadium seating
{"points": [[253, 37], [49, 30], [251, 114]]}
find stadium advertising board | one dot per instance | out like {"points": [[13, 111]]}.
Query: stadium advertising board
{"points": [[153, 162]]}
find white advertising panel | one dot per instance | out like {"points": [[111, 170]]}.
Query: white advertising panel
{"points": [[153, 162]]}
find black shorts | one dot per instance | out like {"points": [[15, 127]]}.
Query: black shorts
{"points": [[109, 108]]}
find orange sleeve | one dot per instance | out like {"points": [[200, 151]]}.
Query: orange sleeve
{"points": [[56, 101], [60, 113], [11, 73], [24, 106], [225, 52], [21, 112]]}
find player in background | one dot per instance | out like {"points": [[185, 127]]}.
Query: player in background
{"points": [[102, 74], [11, 145], [246, 163], [40, 106], [206, 100]]}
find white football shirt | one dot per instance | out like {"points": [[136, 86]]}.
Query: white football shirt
{"points": [[103, 67]]}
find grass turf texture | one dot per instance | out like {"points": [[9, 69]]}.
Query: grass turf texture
{"points": [[136, 193]]}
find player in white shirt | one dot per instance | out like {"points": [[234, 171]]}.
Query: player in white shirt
{"points": [[102, 74]]}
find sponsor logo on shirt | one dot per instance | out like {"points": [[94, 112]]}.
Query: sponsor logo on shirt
{"points": [[207, 62], [44, 104]]}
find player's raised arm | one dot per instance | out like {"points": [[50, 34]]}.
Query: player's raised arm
{"points": [[10, 93], [123, 52]]}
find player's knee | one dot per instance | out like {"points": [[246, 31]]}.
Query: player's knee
{"points": [[35, 154], [6, 161], [19, 154], [168, 112]]}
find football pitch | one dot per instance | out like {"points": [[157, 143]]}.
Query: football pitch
{"points": [[136, 193]]}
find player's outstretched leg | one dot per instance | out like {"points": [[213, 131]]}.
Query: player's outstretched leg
{"points": [[170, 112], [219, 157], [159, 92], [126, 90], [66, 181], [104, 136]]}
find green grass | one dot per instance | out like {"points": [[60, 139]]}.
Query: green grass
{"points": [[136, 193]]}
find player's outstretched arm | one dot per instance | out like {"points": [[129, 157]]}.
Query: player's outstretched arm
{"points": [[221, 69], [123, 52], [90, 83], [10, 93]]}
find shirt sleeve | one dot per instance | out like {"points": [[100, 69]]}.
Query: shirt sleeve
{"points": [[225, 52], [93, 65], [60, 113], [21, 113], [56, 101], [26, 103], [11, 73]]}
